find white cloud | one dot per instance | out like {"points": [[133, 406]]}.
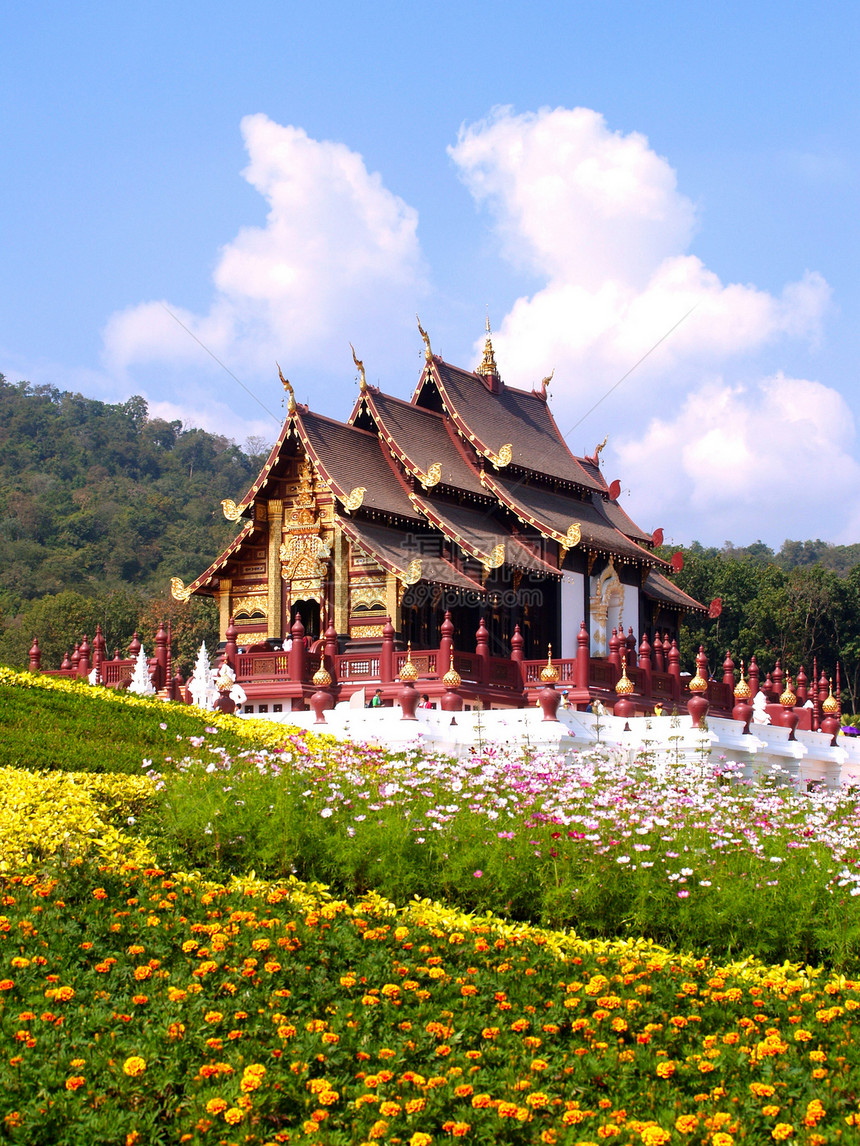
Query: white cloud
{"points": [[337, 258], [744, 462], [598, 216]]}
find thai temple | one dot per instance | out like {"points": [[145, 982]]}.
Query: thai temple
{"points": [[455, 530]]}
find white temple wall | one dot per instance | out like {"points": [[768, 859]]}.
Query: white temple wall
{"points": [[630, 611], [572, 612]]}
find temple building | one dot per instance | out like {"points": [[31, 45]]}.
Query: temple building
{"points": [[425, 522]]}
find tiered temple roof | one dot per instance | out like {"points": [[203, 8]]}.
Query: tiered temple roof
{"points": [[469, 479]]}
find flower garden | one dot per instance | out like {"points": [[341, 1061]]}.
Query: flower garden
{"points": [[506, 948]]}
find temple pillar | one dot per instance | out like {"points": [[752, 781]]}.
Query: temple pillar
{"points": [[224, 610], [276, 528], [392, 602], [340, 555]]}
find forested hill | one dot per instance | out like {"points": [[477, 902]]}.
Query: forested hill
{"points": [[94, 495], [104, 503]]}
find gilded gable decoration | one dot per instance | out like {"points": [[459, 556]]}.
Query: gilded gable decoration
{"points": [[304, 553], [230, 509]]}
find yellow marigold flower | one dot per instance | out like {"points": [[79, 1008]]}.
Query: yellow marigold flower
{"points": [[770, 1111], [781, 1131], [721, 1138], [762, 1090], [75, 1082], [212, 1017], [654, 1135], [482, 1101], [216, 1105], [802, 1036], [419, 1138], [537, 1099], [665, 1069], [378, 1129], [134, 1066], [415, 1105], [686, 1124], [233, 1116]]}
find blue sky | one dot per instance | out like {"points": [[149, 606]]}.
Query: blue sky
{"points": [[400, 157]]}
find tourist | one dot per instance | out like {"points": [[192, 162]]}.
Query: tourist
{"points": [[658, 709], [376, 699], [425, 701]]}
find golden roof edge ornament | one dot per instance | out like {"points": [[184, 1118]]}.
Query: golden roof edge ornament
{"points": [[178, 590], [595, 457], [359, 365], [288, 386], [354, 498], [428, 353], [496, 559], [230, 509], [544, 384], [503, 457], [413, 572], [432, 477]]}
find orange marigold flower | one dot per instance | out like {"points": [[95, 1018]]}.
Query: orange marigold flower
{"points": [[460, 1129], [781, 1131], [686, 1124], [75, 1082], [464, 1090], [134, 1066], [665, 1069], [233, 1116], [419, 1138], [537, 1099]]}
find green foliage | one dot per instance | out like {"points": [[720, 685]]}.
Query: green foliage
{"points": [[773, 609], [99, 506]]}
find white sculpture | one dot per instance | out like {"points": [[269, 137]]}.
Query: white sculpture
{"points": [[760, 713], [202, 686], [140, 681]]}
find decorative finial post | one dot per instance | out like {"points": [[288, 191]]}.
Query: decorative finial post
{"points": [[549, 697], [407, 696], [742, 710], [291, 403], [359, 365], [624, 706], [488, 363], [428, 353]]}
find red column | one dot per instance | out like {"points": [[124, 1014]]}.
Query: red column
{"points": [[583, 658], [482, 651], [35, 656], [446, 644], [386, 657], [753, 676], [84, 658], [231, 648], [729, 671], [298, 651], [645, 664], [330, 651], [675, 670]]}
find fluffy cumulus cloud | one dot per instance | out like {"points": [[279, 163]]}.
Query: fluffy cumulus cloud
{"points": [[735, 459], [597, 216], [337, 258]]}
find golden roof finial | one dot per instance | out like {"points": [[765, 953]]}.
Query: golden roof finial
{"points": [[288, 386], [624, 687], [428, 353], [549, 674], [488, 362], [742, 689], [362, 381], [544, 385]]}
